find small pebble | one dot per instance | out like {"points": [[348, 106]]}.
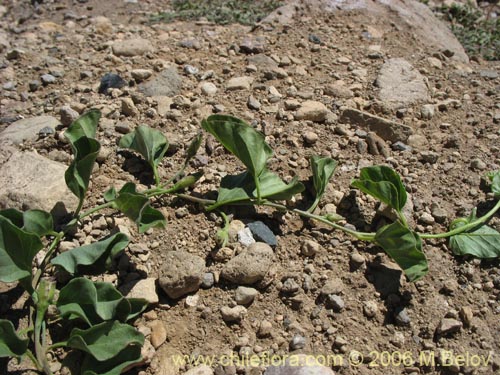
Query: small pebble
{"points": [[297, 342]]}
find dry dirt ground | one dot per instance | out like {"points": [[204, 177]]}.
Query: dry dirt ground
{"points": [[443, 169]]}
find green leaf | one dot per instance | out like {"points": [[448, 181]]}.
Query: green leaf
{"points": [[193, 147], [95, 302], [150, 143], [81, 135], [84, 126], [17, 250], [94, 258], [106, 340], [322, 169], [11, 345], [33, 221], [384, 184], [240, 188], [241, 140], [114, 366], [136, 206], [110, 194], [273, 187], [482, 241], [405, 248], [495, 182]]}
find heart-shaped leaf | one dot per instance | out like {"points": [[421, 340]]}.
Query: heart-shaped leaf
{"points": [[481, 241], [405, 248], [94, 258], [114, 366], [17, 250], [11, 345], [33, 221], [148, 142], [241, 140], [106, 340], [322, 170], [136, 206], [384, 184], [95, 302], [81, 135]]}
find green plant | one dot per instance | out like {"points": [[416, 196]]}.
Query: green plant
{"points": [[259, 186], [97, 311], [479, 34], [99, 314], [219, 11]]}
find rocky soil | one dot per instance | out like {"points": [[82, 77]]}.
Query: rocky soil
{"points": [[362, 84]]}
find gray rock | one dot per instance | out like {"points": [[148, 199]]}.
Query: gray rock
{"points": [[309, 248], [141, 74], [430, 157], [30, 181], [402, 317], [208, 88], [312, 111], [335, 302], [145, 288], [478, 164], [401, 84], [245, 295], [370, 309], [448, 325], [45, 132], [261, 232], [245, 237], [387, 130], [253, 103], [338, 91], [297, 342], [111, 81], [132, 47], [208, 280], [47, 79], [191, 70], [34, 85], [181, 273], [299, 364], [253, 44], [262, 61], [233, 314], [167, 83], [250, 266], [427, 111], [68, 115], [333, 286], [239, 83]]}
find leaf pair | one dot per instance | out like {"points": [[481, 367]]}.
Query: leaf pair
{"points": [[250, 147], [96, 302], [81, 135], [136, 207], [402, 244]]}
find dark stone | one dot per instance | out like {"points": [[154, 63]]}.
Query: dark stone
{"points": [[261, 232], [314, 39], [111, 81]]}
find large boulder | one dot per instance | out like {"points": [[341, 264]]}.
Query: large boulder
{"points": [[27, 129], [31, 181]]}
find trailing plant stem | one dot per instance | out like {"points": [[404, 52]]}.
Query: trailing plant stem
{"points": [[46, 259], [466, 227]]}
